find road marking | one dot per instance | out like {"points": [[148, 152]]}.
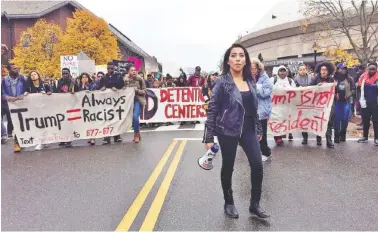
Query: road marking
{"points": [[134, 209], [153, 213]]}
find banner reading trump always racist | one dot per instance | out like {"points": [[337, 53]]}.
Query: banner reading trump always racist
{"points": [[64, 117]]}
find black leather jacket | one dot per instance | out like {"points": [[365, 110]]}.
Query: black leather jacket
{"points": [[226, 112]]}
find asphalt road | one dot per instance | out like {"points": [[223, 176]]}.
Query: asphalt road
{"points": [[158, 185]]}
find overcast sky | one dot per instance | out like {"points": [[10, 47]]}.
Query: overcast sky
{"points": [[185, 32]]}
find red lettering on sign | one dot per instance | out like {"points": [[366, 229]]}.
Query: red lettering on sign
{"points": [[302, 123], [184, 111], [181, 95], [165, 95]]}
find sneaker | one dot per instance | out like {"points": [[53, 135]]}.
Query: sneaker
{"points": [[10, 136], [363, 140], [376, 142], [16, 147], [265, 158], [291, 137], [38, 147], [279, 142], [106, 141], [92, 142], [62, 144]]}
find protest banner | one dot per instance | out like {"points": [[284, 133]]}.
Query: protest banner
{"points": [[304, 109], [174, 105], [63, 117]]}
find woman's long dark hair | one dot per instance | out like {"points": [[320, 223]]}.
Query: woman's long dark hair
{"points": [[88, 76], [247, 75], [29, 82]]}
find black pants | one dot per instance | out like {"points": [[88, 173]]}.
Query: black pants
{"points": [[6, 113], [370, 113], [265, 150], [250, 145]]}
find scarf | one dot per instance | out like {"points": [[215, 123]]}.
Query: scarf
{"points": [[368, 80]]}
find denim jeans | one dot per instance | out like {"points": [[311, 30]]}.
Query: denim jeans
{"points": [[136, 115], [341, 117]]}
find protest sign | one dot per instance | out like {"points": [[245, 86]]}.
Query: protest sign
{"points": [[304, 109], [71, 63], [63, 117], [174, 105]]}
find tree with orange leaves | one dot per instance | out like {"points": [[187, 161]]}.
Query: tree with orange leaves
{"points": [[90, 34], [37, 49]]}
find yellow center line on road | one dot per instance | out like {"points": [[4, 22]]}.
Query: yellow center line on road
{"points": [[153, 213], [134, 209]]}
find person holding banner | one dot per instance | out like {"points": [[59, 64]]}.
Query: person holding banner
{"points": [[66, 85], [86, 84], [134, 81], [34, 84], [112, 80], [283, 81], [264, 96], [325, 70], [232, 116], [368, 83], [303, 79]]}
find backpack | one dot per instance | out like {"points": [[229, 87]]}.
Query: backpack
{"points": [[290, 80]]}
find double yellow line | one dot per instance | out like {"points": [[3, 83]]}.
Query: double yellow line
{"points": [[154, 211]]}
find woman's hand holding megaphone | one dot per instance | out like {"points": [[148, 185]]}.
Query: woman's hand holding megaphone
{"points": [[208, 146]]}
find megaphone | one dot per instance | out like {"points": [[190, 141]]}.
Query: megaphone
{"points": [[206, 161]]}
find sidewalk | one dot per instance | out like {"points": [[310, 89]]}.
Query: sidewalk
{"points": [[355, 130]]}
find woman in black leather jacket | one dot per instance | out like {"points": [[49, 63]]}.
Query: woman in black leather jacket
{"points": [[232, 116]]}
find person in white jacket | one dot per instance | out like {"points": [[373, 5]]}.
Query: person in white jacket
{"points": [[282, 80]]}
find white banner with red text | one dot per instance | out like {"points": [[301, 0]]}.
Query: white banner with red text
{"points": [[174, 105], [65, 117], [304, 109]]}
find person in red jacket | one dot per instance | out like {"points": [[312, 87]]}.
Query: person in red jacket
{"points": [[196, 80]]}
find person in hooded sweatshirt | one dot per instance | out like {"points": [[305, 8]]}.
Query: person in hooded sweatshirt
{"points": [[343, 101], [282, 81], [34, 84], [264, 99], [303, 79], [324, 75]]}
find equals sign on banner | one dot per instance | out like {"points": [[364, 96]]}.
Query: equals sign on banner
{"points": [[73, 111]]}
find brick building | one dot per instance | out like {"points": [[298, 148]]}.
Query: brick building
{"points": [[16, 16]]}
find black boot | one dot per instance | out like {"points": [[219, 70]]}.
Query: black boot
{"points": [[337, 138], [229, 207], [318, 140], [255, 209], [329, 142], [343, 135], [305, 138]]}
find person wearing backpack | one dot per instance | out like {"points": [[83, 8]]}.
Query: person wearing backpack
{"points": [[283, 81]]}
